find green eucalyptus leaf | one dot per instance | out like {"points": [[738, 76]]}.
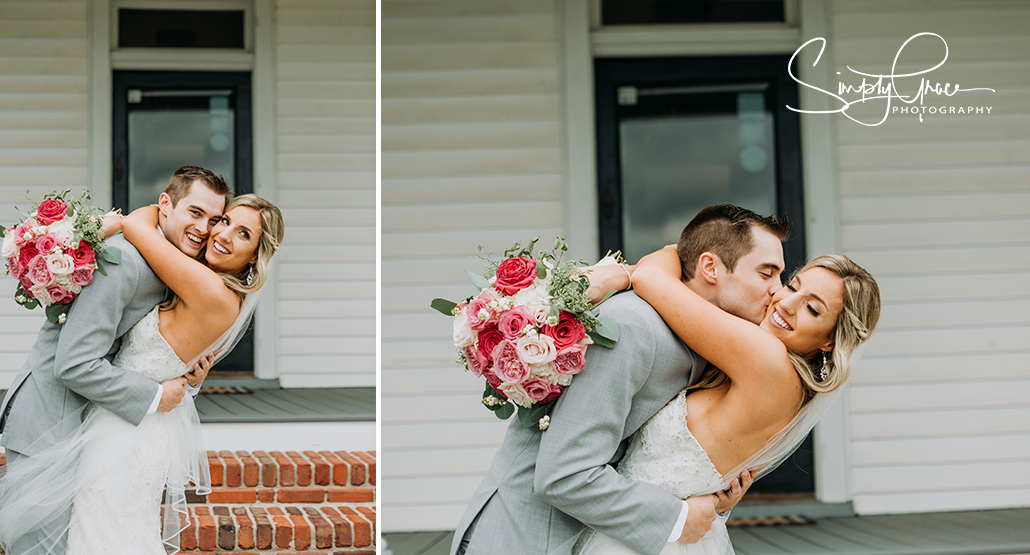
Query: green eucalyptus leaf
{"points": [[600, 340], [112, 255], [530, 418], [541, 270], [608, 329], [443, 306], [54, 311], [505, 411], [478, 280], [100, 267]]}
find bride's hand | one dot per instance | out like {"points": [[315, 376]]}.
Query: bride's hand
{"points": [[610, 277], [196, 376], [112, 223], [727, 499]]}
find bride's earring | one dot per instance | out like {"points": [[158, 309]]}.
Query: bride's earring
{"points": [[250, 279], [824, 370]]}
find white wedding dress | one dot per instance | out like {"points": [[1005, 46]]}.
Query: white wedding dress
{"points": [[664, 453], [123, 469]]}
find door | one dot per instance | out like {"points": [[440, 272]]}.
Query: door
{"points": [[678, 134], [167, 119]]}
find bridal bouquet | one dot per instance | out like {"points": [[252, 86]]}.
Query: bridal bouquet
{"points": [[54, 251], [527, 330]]}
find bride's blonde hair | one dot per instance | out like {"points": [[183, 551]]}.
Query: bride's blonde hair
{"points": [[855, 323], [252, 276]]}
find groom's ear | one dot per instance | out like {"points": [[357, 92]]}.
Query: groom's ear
{"points": [[164, 203], [707, 267]]}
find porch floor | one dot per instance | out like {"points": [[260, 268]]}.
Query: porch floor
{"points": [[273, 404], [960, 533], [349, 404]]}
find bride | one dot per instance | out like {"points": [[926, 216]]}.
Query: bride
{"points": [[764, 390], [113, 473]]}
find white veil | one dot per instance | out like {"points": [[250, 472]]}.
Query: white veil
{"points": [[38, 494]]}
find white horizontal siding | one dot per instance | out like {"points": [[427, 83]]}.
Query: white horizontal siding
{"points": [[471, 156], [940, 212], [325, 122], [43, 133]]}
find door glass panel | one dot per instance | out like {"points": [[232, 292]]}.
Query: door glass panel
{"points": [[168, 129], [682, 149]]}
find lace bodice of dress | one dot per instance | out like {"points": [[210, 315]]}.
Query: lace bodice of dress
{"points": [[664, 453], [144, 350]]}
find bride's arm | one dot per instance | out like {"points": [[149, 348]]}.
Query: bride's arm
{"points": [[739, 348], [194, 283]]}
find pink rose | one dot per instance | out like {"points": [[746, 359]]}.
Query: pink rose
{"points": [[82, 276], [488, 339], [28, 252], [38, 273], [507, 364], [59, 294], [15, 267], [82, 255], [567, 332], [479, 314], [514, 321], [46, 243], [539, 390], [515, 274], [21, 230], [477, 363], [26, 283], [570, 361], [51, 211], [495, 383]]}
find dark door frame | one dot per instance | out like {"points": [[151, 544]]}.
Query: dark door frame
{"points": [[612, 73], [238, 81]]}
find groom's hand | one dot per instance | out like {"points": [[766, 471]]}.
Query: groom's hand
{"points": [[700, 517], [172, 392]]}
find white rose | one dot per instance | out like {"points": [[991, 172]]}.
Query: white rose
{"points": [[517, 394], [60, 264], [536, 349], [463, 334], [64, 229], [10, 250], [546, 371], [41, 295], [533, 296], [66, 282]]}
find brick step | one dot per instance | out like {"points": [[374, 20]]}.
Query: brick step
{"points": [[289, 503], [292, 502], [326, 528]]}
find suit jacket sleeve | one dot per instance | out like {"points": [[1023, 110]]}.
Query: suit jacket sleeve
{"points": [[572, 472], [88, 335]]}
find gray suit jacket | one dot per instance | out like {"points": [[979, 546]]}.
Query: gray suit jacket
{"points": [[70, 364], [544, 487]]}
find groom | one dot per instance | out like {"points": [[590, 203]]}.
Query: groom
{"points": [[544, 488], [70, 364]]}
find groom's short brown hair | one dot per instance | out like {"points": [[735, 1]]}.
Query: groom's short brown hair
{"points": [[179, 184], [725, 230]]}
